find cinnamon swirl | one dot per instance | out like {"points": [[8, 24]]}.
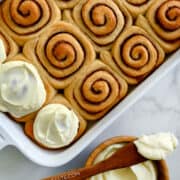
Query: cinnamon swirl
{"points": [[96, 91], [61, 53], [162, 22], [134, 55], [103, 20], [24, 20]]}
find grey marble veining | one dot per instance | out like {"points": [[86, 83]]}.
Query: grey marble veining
{"points": [[158, 110]]}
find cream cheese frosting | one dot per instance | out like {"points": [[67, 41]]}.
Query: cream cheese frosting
{"points": [[55, 126], [2, 52], [21, 89], [143, 171], [156, 146]]}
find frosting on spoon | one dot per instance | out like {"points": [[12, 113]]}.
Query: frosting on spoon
{"points": [[156, 146]]}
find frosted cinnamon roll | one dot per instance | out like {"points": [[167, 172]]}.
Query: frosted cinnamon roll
{"points": [[66, 4], [21, 89], [134, 55], [50, 91], [96, 91], [61, 53], [11, 49], [101, 20], [137, 7], [56, 125], [24, 20], [162, 22]]}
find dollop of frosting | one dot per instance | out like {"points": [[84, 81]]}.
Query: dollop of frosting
{"points": [[156, 146], [146, 170], [2, 52], [21, 89], [55, 126]]}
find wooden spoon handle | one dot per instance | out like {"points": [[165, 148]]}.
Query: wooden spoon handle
{"points": [[69, 175], [124, 157], [77, 174], [81, 174]]}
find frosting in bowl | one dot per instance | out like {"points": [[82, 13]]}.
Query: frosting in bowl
{"points": [[2, 52], [156, 146], [21, 89], [146, 170], [55, 126]]}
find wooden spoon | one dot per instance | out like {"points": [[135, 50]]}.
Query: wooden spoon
{"points": [[124, 157]]}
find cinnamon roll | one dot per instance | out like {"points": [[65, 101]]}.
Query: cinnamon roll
{"points": [[137, 7], [61, 53], [162, 22], [96, 91], [66, 4], [56, 125], [103, 20], [44, 88], [10, 46], [134, 55], [24, 20]]}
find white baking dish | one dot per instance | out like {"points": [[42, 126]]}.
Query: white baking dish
{"points": [[11, 133]]}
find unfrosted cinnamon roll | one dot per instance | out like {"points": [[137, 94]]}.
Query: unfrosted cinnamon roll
{"points": [[134, 55], [61, 53], [103, 21], [137, 7], [66, 4], [162, 22], [56, 125], [10, 46], [96, 91], [45, 88], [24, 20]]}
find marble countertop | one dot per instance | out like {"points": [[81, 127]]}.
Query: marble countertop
{"points": [[158, 110]]}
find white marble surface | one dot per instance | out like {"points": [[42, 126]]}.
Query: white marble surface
{"points": [[158, 110]]}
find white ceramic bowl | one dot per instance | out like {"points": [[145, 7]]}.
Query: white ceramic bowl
{"points": [[12, 133]]}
